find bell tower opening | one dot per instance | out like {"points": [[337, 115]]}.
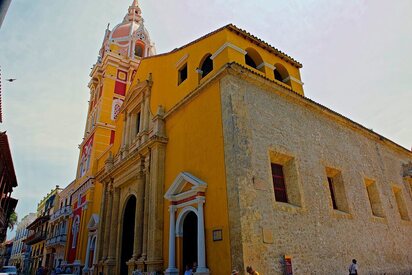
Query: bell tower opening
{"points": [[189, 240], [127, 234]]}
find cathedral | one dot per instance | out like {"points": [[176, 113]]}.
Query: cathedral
{"points": [[212, 156]]}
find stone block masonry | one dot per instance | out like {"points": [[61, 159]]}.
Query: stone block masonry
{"points": [[260, 121]]}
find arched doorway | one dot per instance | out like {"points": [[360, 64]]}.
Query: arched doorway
{"points": [[189, 239], [127, 234]]}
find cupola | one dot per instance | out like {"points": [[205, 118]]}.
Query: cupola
{"points": [[129, 38]]}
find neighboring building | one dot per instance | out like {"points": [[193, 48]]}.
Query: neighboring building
{"points": [[57, 233], [38, 232], [218, 158], [8, 181], [120, 55], [4, 6], [20, 252], [5, 252]]}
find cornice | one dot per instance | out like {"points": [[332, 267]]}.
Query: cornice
{"points": [[130, 159], [286, 92]]}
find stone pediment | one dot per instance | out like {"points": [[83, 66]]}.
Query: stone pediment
{"points": [[93, 222], [134, 95], [185, 186]]}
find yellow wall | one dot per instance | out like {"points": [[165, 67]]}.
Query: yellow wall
{"points": [[167, 92], [196, 146], [195, 131]]}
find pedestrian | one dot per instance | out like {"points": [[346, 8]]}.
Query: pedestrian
{"points": [[59, 270], [235, 272], [40, 271], [251, 271], [194, 266], [353, 268], [188, 270]]}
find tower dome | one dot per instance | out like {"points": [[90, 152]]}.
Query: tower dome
{"points": [[129, 38]]}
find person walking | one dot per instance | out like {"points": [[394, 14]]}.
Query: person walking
{"points": [[353, 268], [251, 271], [188, 270]]}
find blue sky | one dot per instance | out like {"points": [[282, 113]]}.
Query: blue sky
{"points": [[355, 57]]}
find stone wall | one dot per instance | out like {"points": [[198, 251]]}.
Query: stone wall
{"points": [[259, 126]]}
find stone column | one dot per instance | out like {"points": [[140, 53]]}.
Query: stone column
{"points": [[86, 262], [102, 221], [172, 270], [156, 199], [201, 251], [145, 113], [114, 224], [124, 130], [146, 208], [138, 224], [107, 222]]}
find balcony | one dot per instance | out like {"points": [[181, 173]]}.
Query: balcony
{"points": [[36, 237], [59, 240], [62, 212]]}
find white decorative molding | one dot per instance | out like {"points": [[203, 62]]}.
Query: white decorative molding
{"points": [[93, 222], [227, 45], [174, 193], [270, 66], [190, 201], [181, 218], [181, 60], [291, 78]]}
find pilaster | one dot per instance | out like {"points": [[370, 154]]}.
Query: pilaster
{"points": [[109, 195], [138, 226], [103, 207], [155, 225]]}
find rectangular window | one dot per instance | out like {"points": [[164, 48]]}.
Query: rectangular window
{"points": [[112, 136], [337, 190], [138, 123], [279, 183], [332, 193], [285, 179], [374, 198], [182, 74], [401, 203]]}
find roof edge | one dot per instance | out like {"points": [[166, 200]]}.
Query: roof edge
{"points": [[353, 123], [234, 28]]}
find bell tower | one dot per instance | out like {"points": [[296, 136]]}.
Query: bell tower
{"points": [[119, 58], [122, 49]]}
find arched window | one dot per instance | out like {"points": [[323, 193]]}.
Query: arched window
{"points": [[281, 74], [253, 59], [138, 50], [206, 66], [75, 230]]}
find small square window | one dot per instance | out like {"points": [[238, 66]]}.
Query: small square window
{"points": [[182, 74]]}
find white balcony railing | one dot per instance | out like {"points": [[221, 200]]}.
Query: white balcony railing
{"points": [[57, 240], [64, 211]]}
